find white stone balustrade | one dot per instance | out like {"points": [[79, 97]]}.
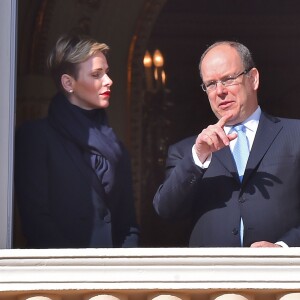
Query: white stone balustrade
{"points": [[150, 274]]}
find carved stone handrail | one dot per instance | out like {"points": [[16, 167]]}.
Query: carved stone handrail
{"points": [[156, 269]]}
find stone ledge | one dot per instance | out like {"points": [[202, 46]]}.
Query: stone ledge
{"points": [[150, 269]]}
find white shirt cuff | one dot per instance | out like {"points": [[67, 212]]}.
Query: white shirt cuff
{"points": [[282, 244], [197, 160]]}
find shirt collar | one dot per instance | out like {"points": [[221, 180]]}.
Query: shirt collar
{"points": [[250, 123]]}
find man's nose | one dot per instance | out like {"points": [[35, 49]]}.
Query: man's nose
{"points": [[220, 87]]}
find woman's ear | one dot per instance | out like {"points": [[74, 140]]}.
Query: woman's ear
{"points": [[67, 83]]}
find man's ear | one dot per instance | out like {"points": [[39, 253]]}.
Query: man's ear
{"points": [[67, 83], [254, 77]]}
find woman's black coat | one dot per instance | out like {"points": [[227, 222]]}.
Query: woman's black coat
{"points": [[61, 201]]}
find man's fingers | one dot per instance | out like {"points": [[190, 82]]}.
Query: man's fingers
{"points": [[232, 136], [264, 244], [213, 137], [222, 122]]}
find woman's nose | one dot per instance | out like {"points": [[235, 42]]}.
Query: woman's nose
{"points": [[108, 81]]}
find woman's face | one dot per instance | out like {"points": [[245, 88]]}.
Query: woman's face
{"points": [[91, 89]]}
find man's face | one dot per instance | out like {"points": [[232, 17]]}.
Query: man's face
{"points": [[238, 99]]}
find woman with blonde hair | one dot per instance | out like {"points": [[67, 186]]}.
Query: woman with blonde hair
{"points": [[72, 174]]}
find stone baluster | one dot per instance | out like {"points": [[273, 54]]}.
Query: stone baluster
{"points": [[289, 296], [173, 296], [233, 296], [39, 297], [105, 297]]}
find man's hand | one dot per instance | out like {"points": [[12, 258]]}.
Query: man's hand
{"points": [[264, 244], [213, 138]]}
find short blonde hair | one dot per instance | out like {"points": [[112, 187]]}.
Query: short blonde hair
{"points": [[69, 51]]}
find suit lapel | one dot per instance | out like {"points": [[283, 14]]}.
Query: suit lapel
{"points": [[226, 159], [267, 131], [268, 128]]}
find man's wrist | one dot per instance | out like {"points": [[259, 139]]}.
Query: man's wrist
{"points": [[197, 161]]}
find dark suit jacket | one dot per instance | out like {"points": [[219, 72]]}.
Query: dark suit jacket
{"points": [[59, 202], [268, 199]]}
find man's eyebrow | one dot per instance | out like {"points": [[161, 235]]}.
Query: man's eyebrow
{"points": [[223, 77]]}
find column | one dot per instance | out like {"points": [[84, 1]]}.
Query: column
{"points": [[231, 297]]}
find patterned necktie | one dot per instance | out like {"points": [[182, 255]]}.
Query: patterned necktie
{"points": [[241, 150]]}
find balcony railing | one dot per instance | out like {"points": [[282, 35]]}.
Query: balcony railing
{"points": [[150, 274]]}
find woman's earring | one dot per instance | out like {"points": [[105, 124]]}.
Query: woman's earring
{"points": [[70, 91]]}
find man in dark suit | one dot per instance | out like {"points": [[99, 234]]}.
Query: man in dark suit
{"points": [[261, 206]]}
